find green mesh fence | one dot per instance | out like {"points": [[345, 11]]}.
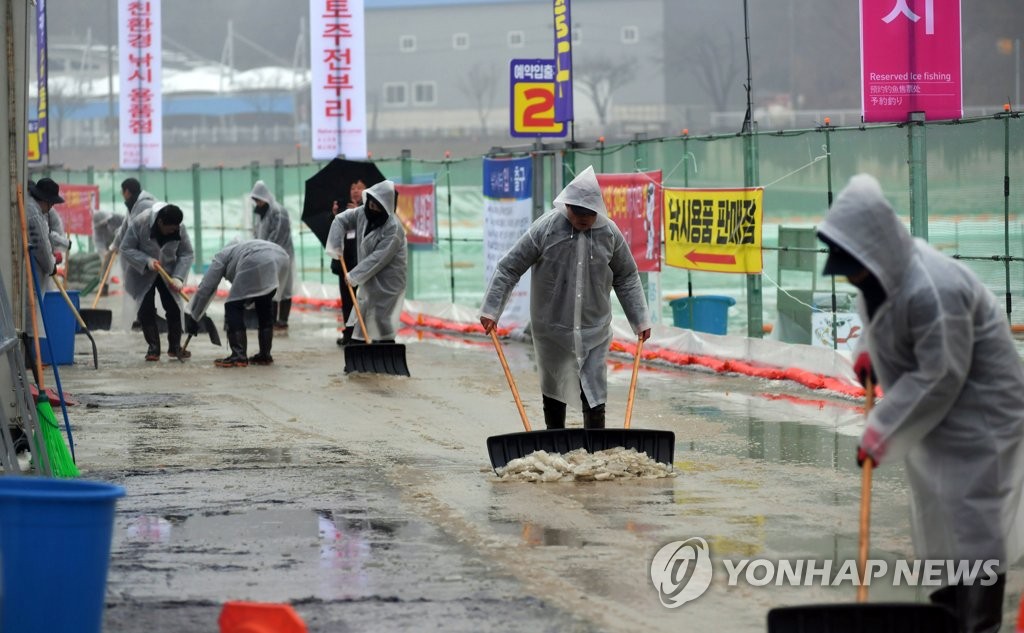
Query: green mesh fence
{"points": [[970, 213]]}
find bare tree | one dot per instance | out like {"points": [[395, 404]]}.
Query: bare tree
{"points": [[599, 78], [480, 84], [716, 66]]}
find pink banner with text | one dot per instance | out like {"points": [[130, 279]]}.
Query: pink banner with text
{"points": [[910, 59]]}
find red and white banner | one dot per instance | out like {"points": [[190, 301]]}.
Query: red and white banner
{"points": [[634, 204], [337, 38], [910, 59], [76, 210], [139, 62], [417, 211]]}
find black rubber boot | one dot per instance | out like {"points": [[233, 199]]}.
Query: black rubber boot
{"points": [[174, 340], [266, 339], [282, 310], [152, 336], [594, 418], [346, 336], [237, 343], [554, 413]]}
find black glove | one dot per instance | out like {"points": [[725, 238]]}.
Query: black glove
{"points": [[336, 267], [191, 326]]}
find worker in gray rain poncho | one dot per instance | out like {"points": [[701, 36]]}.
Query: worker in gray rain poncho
{"points": [[578, 256], [380, 274], [136, 200], [953, 407], [157, 236], [257, 270], [274, 225]]}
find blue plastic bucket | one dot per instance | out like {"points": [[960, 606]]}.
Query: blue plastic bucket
{"points": [[60, 329], [709, 313], [55, 537]]}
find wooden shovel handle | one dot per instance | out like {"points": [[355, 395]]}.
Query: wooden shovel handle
{"points": [[167, 278], [355, 302], [31, 292], [632, 381], [71, 304], [865, 502], [103, 282], [508, 376]]}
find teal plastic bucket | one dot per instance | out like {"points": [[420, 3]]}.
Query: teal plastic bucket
{"points": [[61, 326], [709, 313], [55, 537]]}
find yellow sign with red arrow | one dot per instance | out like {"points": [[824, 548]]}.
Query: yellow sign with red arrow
{"points": [[716, 230]]}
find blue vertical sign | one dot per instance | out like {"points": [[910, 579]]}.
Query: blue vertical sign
{"points": [[508, 213], [38, 142], [563, 62]]}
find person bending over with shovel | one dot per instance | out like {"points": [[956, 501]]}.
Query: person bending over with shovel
{"points": [[157, 237], [941, 347], [257, 270], [577, 256], [381, 249]]}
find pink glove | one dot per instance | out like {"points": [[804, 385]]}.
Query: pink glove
{"points": [[862, 367], [58, 257], [870, 446]]}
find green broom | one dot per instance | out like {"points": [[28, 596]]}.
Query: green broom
{"points": [[62, 464]]}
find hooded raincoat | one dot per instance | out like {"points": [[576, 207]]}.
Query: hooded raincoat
{"points": [[254, 268], [941, 346], [144, 202], [39, 240], [570, 285], [380, 274], [59, 241], [139, 246], [275, 226]]}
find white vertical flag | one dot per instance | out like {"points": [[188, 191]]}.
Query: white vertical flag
{"points": [[338, 78], [139, 63]]}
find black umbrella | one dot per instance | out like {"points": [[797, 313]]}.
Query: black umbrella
{"points": [[332, 183]]}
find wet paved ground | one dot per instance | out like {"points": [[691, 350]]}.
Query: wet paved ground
{"points": [[368, 502]]}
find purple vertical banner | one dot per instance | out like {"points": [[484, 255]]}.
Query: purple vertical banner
{"points": [[910, 60], [38, 138], [563, 62]]}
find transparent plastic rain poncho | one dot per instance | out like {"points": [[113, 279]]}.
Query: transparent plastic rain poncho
{"points": [[139, 246], [144, 202], [38, 240], [254, 268], [59, 240], [380, 274], [275, 226], [572, 277], [104, 227], [953, 385]]}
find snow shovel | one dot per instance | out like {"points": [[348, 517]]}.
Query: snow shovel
{"points": [[880, 617], [94, 318], [373, 358], [81, 322], [205, 322], [659, 445]]}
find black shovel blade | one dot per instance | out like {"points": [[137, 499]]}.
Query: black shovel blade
{"points": [[659, 445], [876, 617], [206, 324], [376, 358], [96, 319], [504, 448]]}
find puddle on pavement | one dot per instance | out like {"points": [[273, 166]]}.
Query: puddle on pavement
{"points": [[134, 400], [257, 455]]}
